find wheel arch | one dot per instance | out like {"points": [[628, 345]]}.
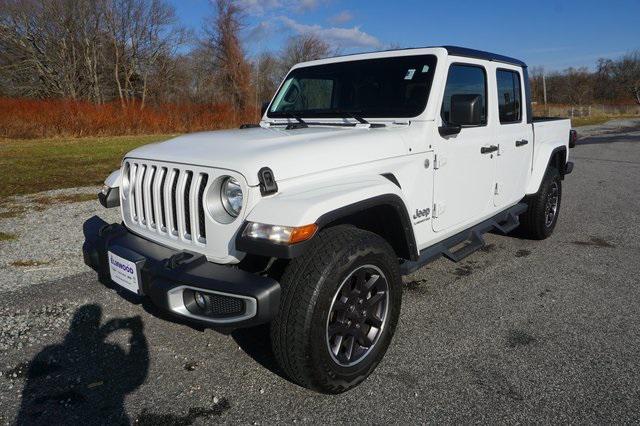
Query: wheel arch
{"points": [[557, 158], [385, 215]]}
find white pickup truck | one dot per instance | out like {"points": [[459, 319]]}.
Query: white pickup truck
{"points": [[362, 169]]}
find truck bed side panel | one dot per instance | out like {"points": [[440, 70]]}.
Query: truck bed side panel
{"points": [[548, 135]]}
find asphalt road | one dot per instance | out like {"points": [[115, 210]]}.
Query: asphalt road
{"points": [[521, 332]]}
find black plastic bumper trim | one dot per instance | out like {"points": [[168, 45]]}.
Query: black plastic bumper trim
{"points": [[568, 168], [164, 269], [110, 199]]}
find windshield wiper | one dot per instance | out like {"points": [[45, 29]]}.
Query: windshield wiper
{"points": [[288, 114], [351, 114]]}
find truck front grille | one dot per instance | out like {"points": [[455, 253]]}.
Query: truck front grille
{"points": [[167, 199]]}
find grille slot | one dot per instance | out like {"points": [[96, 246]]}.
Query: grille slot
{"points": [[166, 200], [201, 225], [187, 207]]}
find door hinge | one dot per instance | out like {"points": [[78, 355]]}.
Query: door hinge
{"points": [[438, 209], [439, 161]]}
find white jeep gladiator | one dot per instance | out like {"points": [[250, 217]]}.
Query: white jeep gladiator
{"points": [[362, 169]]}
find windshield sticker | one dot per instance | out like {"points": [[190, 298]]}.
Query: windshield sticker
{"points": [[425, 68], [410, 73]]}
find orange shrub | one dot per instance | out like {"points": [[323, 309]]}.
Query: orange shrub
{"points": [[31, 118]]}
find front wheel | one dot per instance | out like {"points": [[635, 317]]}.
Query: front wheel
{"points": [[541, 217], [340, 306]]}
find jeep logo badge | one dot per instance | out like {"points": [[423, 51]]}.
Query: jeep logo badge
{"points": [[422, 213]]}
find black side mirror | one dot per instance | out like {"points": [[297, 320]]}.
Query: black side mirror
{"points": [[263, 109], [466, 110]]}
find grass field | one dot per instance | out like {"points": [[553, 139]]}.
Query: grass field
{"points": [[36, 165]]}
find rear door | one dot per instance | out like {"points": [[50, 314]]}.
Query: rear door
{"points": [[514, 137], [463, 175]]}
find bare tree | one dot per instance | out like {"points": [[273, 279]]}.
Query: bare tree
{"points": [[223, 41], [306, 47], [140, 32], [627, 72], [268, 76], [49, 48]]}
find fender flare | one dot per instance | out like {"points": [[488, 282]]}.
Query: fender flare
{"points": [[562, 168], [285, 251]]}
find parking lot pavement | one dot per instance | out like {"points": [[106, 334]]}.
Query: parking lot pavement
{"points": [[522, 331]]}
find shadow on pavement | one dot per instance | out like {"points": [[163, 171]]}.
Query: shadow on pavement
{"points": [[611, 138], [85, 377], [256, 342]]}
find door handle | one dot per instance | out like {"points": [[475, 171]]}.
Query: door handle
{"points": [[488, 149], [522, 142]]}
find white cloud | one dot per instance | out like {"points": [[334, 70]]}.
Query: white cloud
{"points": [[262, 7], [341, 37], [261, 31], [257, 7], [341, 18]]}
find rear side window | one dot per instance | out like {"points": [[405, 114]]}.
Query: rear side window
{"points": [[509, 96], [465, 80]]}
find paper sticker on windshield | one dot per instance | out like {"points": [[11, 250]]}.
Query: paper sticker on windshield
{"points": [[425, 68], [410, 73]]}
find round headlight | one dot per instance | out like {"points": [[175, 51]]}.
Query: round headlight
{"points": [[231, 195]]}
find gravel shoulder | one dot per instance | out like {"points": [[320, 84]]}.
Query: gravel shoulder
{"points": [[520, 332], [44, 235]]}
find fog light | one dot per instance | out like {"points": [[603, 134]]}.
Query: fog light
{"points": [[201, 300]]}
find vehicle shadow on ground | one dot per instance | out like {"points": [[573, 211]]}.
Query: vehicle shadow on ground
{"points": [[84, 376], [256, 342], [610, 138]]}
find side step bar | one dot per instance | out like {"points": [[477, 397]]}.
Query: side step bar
{"points": [[504, 222]]}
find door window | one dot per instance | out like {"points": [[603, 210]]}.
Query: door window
{"points": [[465, 80], [509, 96]]}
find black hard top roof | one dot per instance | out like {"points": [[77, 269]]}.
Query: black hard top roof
{"points": [[459, 51], [479, 54]]}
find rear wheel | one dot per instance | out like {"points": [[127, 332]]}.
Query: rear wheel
{"points": [[340, 306], [541, 217]]}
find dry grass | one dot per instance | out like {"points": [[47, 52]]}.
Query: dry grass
{"points": [[30, 166], [11, 213], [65, 199], [6, 237], [34, 118], [26, 263], [589, 121]]}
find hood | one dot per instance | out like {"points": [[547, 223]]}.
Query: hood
{"points": [[289, 153]]}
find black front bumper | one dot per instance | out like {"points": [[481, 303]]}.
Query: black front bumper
{"points": [[169, 278]]}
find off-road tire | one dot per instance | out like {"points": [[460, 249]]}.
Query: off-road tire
{"points": [[533, 222], [309, 284]]}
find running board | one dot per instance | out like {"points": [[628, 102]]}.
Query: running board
{"points": [[504, 222]]}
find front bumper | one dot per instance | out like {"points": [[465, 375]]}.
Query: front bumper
{"points": [[169, 278]]}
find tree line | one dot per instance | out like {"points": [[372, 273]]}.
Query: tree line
{"points": [[136, 52], [614, 81]]}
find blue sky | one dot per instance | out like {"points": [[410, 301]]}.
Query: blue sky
{"points": [[554, 34]]}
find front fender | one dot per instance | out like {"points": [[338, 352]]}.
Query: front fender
{"points": [[303, 206], [323, 204], [114, 180]]}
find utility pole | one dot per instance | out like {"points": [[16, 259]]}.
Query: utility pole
{"points": [[544, 93]]}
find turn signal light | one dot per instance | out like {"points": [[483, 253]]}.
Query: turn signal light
{"points": [[280, 234]]}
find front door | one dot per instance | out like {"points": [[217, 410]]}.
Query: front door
{"points": [[514, 137], [464, 172]]}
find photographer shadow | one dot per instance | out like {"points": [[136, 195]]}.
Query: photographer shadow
{"points": [[85, 378]]}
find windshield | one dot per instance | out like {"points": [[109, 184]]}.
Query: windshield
{"points": [[388, 87]]}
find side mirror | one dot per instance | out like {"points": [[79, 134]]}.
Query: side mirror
{"points": [[466, 110], [263, 108]]}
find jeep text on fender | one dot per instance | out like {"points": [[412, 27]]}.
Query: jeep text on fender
{"points": [[362, 169]]}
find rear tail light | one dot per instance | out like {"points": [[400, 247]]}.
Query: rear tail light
{"points": [[573, 137]]}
